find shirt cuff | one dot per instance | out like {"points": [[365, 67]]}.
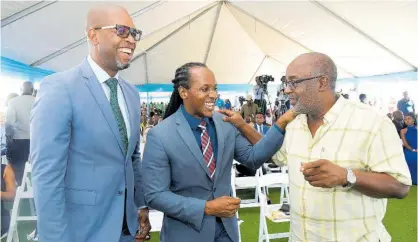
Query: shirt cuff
{"points": [[142, 207], [279, 129]]}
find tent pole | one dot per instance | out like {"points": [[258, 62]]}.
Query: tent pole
{"points": [[334, 15], [215, 23], [212, 5], [277, 31], [84, 39], [258, 68], [146, 68], [25, 12]]}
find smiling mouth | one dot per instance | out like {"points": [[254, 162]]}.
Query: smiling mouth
{"points": [[126, 51], [210, 105]]}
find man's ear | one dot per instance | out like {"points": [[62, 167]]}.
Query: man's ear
{"points": [[324, 84], [92, 36], [183, 92]]}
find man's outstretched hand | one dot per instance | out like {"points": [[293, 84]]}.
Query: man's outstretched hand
{"points": [[286, 118], [232, 117]]}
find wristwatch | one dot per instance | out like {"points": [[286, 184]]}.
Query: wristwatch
{"points": [[351, 179]]}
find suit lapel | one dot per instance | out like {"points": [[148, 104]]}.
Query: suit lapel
{"points": [[221, 145], [183, 128], [100, 97], [131, 114]]}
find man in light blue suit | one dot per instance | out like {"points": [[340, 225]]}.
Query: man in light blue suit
{"points": [[85, 142], [188, 158]]}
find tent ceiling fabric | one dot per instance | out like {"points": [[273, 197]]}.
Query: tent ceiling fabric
{"points": [[238, 40], [9, 8]]}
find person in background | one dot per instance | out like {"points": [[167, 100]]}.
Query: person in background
{"points": [[220, 102], [259, 124], [269, 118], [150, 125], [18, 130], [398, 121], [409, 139], [2, 134], [406, 105], [8, 192], [363, 99], [390, 116], [250, 109], [3, 124], [155, 118], [228, 105], [143, 124]]}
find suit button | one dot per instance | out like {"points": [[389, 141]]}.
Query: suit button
{"points": [[120, 193]]}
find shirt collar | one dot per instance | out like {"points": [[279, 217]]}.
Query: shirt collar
{"points": [[101, 75], [193, 121]]}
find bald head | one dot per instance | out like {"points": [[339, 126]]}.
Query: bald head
{"points": [[27, 88], [104, 15], [314, 64], [111, 36]]}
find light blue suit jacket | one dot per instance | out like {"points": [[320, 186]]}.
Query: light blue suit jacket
{"points": [[79, 169], [178, 181]]}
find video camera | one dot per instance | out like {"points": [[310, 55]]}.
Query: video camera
{"points": [[241, 100], [263, 80]]}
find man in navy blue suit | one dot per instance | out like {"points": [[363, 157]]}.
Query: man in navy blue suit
{"points": [[259, 125]]}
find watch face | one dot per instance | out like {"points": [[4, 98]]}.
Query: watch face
{"points": [[351, 178]]}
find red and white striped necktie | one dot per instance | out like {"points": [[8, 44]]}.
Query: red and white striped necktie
{"points": [[207, 150]]}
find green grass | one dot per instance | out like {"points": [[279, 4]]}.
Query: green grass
{"points": [[400, 220]]}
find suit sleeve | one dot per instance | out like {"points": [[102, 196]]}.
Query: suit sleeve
{"points": [[137, 168], [253, 156], [49, 144], [156, 181]]}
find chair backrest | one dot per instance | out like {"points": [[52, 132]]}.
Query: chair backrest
{"points": [[264, 180]]}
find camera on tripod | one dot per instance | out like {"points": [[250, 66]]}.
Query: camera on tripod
{"points": [[263, 80]]}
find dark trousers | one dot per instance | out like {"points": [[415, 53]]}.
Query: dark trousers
{"points": [[17, 155], [262, 105]]}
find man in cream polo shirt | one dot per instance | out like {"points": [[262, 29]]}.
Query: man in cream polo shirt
{"points": [[344, 159]]}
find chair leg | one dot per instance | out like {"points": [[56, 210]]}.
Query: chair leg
{"points": [[13, 219]]}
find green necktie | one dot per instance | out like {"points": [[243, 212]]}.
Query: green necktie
{"points": [[113, 85]]}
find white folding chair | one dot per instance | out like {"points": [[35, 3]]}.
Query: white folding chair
{"points": [[247, 182], [284, 187], [24, 191], [156, 220], [234, 194], [272, 211]]}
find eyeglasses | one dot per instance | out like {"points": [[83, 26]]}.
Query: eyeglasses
{"points": [[293, 84], [124, 31]]}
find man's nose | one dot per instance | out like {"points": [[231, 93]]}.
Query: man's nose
{"points": [[287, 90]]}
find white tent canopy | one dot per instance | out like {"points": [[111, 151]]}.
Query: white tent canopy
{"points": [[238, 40]]}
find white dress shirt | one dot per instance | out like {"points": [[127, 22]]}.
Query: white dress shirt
{"points": [[260, 129], [102, 77]]}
